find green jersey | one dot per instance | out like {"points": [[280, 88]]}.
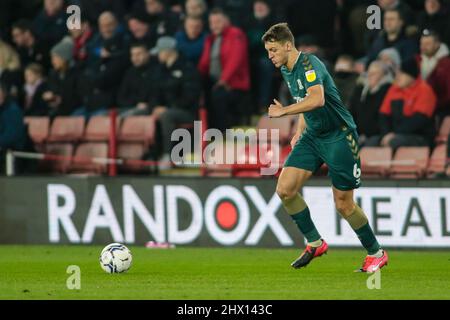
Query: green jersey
{"points": [[325, 122]]}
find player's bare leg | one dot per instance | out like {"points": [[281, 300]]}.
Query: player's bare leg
{"points": [[289, 183], [350, 211]]}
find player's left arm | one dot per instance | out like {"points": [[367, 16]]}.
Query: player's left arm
{"points": [[314, 99]]}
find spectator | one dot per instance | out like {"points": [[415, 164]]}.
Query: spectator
{"points": [[237, 10], [12, 128], [140, 30], [92, 9], [405, 10], [178, 92], [262, 69], [101, 80], [50, 23], [10, 68], [345, 76], [406, 115], [224, 63], [434, 63], [99, 88], [367, 98], [138, 83], [391, 58], [191, 40], [197, 8], [435, 17], [392, 36], [109, 31], [34, 88], [83, 42], [161, 20], [30, 49], [63, 83]]}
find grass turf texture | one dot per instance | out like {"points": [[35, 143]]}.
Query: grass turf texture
{"points": [[39, 272]]}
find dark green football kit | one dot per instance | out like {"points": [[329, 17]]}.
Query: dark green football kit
{"points": [[330, 136]]}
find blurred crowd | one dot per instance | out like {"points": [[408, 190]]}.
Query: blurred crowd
{"points": [[167, 57]]}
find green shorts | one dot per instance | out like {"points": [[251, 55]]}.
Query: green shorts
{"points": [[341, 156]]}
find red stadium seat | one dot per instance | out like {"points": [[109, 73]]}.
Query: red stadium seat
{"points": [[98, 129], [283, 125], [215, 162], [131, 151], [67, 129], [252, 161], [138, 129], [410, 162], [38, 129], [438, 161], [444, 131], [86, 152], [375, 161], [60, 149]]}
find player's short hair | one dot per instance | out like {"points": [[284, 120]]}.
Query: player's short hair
{"points": [[279, 32]]}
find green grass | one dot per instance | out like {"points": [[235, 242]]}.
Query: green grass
{"points": [[39, 272]]}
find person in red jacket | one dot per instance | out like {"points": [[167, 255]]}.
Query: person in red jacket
{"points": [[434, 61], [224, 65], [406, 114]]}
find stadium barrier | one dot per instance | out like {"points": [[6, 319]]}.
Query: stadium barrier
{"points": [[212, 212]]}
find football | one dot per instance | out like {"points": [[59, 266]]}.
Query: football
{"points": [[115, 258]]}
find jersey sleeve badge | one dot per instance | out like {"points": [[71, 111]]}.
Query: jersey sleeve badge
{"points": [[310, 75]]}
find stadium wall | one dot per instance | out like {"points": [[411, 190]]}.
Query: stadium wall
{"points": [[211, 212]]}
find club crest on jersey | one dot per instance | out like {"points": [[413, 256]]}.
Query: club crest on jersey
{"points": [[310, 75]]}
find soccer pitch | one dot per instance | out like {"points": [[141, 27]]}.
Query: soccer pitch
{"points": [[39, 272]]}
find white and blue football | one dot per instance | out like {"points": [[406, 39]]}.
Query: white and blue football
{"points": [[115, 258]]}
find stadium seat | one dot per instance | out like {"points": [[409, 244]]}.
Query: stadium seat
{"points": [[252, 160], [98, 129], [67, 129], [283, 124], [131, 151], [410, 162], [60, 149], [444, 131], [215, 162], [84, 161], [375, 161], [138, 129], [438, 161], [38, 130]]}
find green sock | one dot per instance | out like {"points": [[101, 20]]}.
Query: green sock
{"points": [[368, 240], [306, 225]]}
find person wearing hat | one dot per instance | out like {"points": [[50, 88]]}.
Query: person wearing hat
{"points": [[407, 111], [62, 95], [177, 94]]}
